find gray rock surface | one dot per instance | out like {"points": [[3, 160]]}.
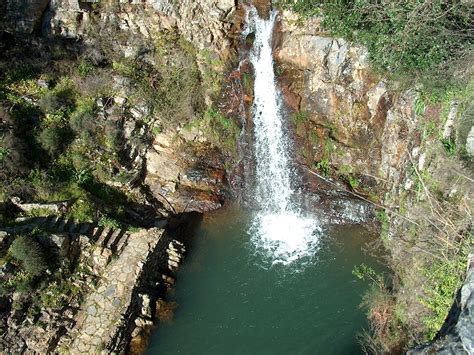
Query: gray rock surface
{"points": [[470, 143], [204, 22], [103, 314], [24, 16]]}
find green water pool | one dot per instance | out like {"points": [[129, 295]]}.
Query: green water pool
{"points": [[232, 302]]}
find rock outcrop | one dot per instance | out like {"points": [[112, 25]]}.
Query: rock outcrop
{"points": [[203, 23], [23, 16], [185, 175], [354, 118], [388, 145]]}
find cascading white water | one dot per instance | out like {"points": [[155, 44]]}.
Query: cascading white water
{"points": [[279, 230]]}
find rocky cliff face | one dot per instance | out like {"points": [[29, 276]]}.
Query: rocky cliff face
{"points": [[389, 146], [355, 122], [203, 23], [190, 178]]}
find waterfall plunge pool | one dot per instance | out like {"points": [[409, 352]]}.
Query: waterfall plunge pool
{"points": [[270, 281], [232, 301]]}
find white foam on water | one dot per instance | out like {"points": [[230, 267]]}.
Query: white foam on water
{"points": [[279, 230], [284, 238]]}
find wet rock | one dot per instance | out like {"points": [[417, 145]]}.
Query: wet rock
{"points": [[165, 310], [145, 306], [185, 181]]}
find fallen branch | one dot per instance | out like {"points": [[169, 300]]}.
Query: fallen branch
{"points": [[363, 198]]}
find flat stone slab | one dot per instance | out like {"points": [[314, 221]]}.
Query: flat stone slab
{"points": [[104, 310]]}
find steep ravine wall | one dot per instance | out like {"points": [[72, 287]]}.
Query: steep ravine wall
{"points": [[386, 144], [183, 165], [348, 123]]}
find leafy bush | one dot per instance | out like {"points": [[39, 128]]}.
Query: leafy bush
{"points": [[85, 67], [53, 139], [4, 153], [444, 277], [449, 146], [382, 217], [61, 97], [109, 222], [30, 254], [83, 211], [59, 293], [324, 166]]}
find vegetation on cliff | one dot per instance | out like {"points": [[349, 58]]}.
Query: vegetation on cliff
{"points": [[426, 227], [427, 41], [74, 126]]}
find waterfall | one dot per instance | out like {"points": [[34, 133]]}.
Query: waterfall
{"points": [[279, 230]]}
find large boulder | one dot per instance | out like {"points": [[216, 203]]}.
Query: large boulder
{"points": [[24, 16], [185, 176]]}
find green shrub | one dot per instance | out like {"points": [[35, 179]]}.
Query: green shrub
{"points": [[105, 221], [83, 211], [62, 96], [85, 67], [382, 217], [83, 176], [353, 182], [444, 277], [56, 117], [30, 254], [52, 139], [323, 166], [449, 146], [21, 281], [4, 153], [58, 294], [300, 117], [248, 82]]}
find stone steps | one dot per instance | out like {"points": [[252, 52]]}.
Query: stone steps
{"points": [[105, 237], [175, 252]]}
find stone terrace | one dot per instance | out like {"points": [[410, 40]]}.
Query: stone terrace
{"points": [[103, 313]]}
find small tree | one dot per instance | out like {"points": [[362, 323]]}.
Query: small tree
{"points": [[30, 254]]}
